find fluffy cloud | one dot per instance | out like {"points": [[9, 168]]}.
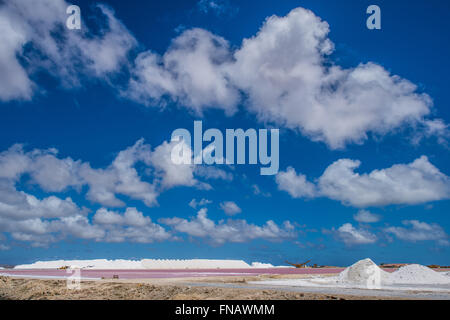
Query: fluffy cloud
{"points": [[433, 128], [295, 184], [283, 72], [191, 73], [47, 220], [413, 183], [257, 191], [365, 216], [53, 174], [36, 32], [42, 221], [209, 172], [230, 208], [78, 227], [203, 202], [218, 7], [131, 217], [18, 205], [106, 226], [350, 235], [38, 221], [287, 78], [170, 174], [13, 163], [121, 177], [14, 81], [231, 230], [420, 231], [43, 166], [131, 226]]}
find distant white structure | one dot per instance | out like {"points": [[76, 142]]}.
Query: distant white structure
{"points": [[146, 264], [195, 264], [260, 265], [83, 264]]}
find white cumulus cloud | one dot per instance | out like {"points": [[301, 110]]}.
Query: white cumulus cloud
{"points": [[295, 184], [283, 74], [36, 32], [287, 77], [191, 73], [414, 183], [415, 230], [55, 174], [365, 216], [350, 235], [230, 208], [199, 203], [131, 226], [231, 230]]}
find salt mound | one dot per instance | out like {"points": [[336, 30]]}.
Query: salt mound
{"points": [[417, 274], [194, 264], [84, 264], [367, 275], [260, 265], [364, 272], [133, 265]]}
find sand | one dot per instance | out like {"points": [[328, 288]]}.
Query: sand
{"points": [[32, 289]]}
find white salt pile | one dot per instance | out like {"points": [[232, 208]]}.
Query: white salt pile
{"points": [[260, 265], [194, 264], [144, 264], [84, 264], [417, 274], [364, 272], [367, 275]]}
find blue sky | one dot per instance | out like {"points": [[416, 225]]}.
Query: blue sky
{"points": [[362, 115]]}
